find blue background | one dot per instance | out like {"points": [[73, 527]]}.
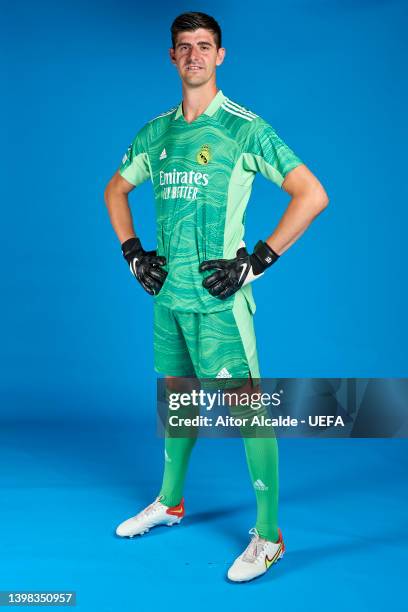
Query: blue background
{"points": [[79, 452]]}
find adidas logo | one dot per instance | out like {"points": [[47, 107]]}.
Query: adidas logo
{"points": [[260, 486], [163, 154], [224, 374]]}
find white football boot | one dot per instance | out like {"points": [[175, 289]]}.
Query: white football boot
{"points": [[257, 558], [155, 514]]}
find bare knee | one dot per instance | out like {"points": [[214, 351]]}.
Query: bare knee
{"points": [[238, 395], [182, 384]]}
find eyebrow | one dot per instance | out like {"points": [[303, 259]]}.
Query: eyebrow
{"points": [[200, 42]]}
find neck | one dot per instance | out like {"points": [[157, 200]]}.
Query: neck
{"points": [[197, 99]]}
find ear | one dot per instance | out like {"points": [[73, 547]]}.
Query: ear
{"points": [[172, 55], [220, 56]]}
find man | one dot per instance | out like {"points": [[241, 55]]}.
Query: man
{"points": [[202, 157]]}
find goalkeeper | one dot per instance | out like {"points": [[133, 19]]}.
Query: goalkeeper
{"points": [[201, 157]]}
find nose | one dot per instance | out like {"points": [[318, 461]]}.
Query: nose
{"points": [[194, 54]]}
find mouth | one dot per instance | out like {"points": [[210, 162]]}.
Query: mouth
{"points": [[194, 68]]}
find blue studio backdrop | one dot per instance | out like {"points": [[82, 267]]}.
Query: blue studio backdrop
{"points": [[77, 385]]}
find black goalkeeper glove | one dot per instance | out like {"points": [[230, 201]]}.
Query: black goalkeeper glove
{"points": [[145, 265], [232, 274]]}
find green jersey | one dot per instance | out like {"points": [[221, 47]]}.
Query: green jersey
{"points": [[202, 174]]}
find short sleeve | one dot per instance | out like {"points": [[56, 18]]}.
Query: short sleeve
{"points": [[135, 166], [266, 153]]}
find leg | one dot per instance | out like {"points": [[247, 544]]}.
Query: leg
{"points": [[178, 448], [171, 357], [261, 449]]}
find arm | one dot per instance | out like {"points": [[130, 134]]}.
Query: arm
{"points": [[308, 200], [273, 158], [116, 199], [145, 266]]}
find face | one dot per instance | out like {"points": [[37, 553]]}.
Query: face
{"points": [[195, 55]]}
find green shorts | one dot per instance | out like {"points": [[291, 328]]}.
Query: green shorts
{"points": [[206, 345]]}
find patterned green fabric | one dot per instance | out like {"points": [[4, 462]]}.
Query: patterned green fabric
{"points": [[202, 174], [207, 345]]}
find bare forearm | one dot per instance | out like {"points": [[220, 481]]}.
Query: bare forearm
{"points": [[119, 214], [296, 219]]}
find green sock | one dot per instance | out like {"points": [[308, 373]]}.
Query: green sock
{"points": [[177, 451], [261, 449], [262, 459]]}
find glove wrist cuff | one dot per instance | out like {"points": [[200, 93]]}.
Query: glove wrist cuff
{"points": [[263, 257], [131, 247]]}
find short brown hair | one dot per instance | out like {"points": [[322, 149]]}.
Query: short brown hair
{"points": [[187, 22]]}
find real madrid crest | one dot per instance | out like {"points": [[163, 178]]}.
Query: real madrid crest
{"points": [[204, 155]]}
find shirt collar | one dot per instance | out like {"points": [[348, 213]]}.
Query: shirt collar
{"points": [[211, 108]]}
